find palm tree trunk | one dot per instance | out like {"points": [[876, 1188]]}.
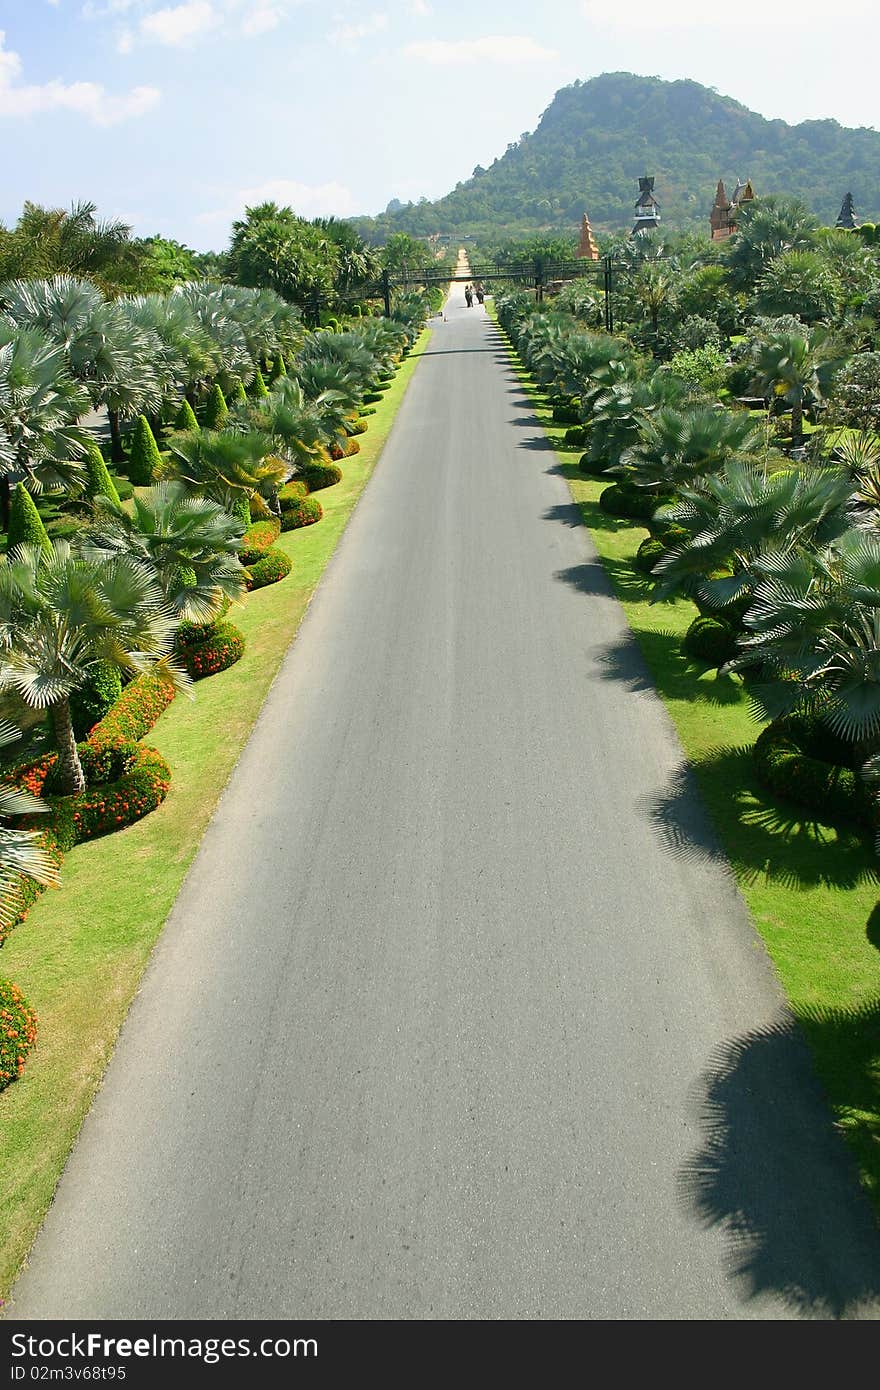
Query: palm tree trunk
{"points": [[72, 779], [117, 453], [797, 422], [5, 503]]}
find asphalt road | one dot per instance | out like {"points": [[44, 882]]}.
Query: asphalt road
{"points": [[459, 1013]]}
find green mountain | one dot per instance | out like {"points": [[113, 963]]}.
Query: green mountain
{"points": [[597, 137]]}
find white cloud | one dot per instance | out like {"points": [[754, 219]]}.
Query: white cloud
{"points": [[349, 35], [89, 99], [177, 24], [307, 200], [508, 49], [261, 19], [420, 8], [638, 15]]}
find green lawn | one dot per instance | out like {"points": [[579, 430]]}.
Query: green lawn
{"points": [[80, 955], [812, 890]]}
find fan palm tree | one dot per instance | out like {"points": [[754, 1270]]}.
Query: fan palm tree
{"points": [[115, 358], [746, 511], [796, 369], [766, 228], [677, 444], [225, 464], [297, 426], [39, 403], [189, 542], [22, 852], [189, 355], [814, 626], [61, 614]]}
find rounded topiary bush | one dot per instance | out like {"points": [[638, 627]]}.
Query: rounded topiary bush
{"points": [[648, 553], [95, 698], [575, 435], [320, 475], [709, 640], [304, 513], [292, 494], [352, 447], [206, 648], [336, 451], [18, 1032], [257, 539], [567, 410], [787, 764], [124, 782], [371, 396], [359, 426], [626, 500], [273, 566]]}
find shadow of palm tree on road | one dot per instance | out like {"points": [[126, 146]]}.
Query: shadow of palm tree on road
{"points": [[773, 1172]]}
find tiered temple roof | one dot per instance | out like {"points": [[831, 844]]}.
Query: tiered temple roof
{"points": [[647, 207], [723, 217], [846, 218], [587, 248]]}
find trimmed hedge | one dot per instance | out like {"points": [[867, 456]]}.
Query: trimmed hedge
{"points": [[144, 459], [320, 475], [291, 495], [575, 434], [567, 412], [359, 426], [124, 782], [648, 553], [257, 539], [238, 395], [370, 396], [626, 500], [786, 765], [709, 640], [98, 480], [305, 513], [273, 566], [258, 385], [216, 410], [336, 451], [25, 523], [206, 648], [137, 709], [352, 447], [96, 698], [18, 1032]]}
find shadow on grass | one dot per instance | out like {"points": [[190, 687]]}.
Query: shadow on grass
{"points": [[772, 1171], [872, 929], [667, 669], [763, 838]]}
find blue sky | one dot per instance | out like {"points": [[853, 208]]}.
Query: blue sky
{"points": [[175, 114]]}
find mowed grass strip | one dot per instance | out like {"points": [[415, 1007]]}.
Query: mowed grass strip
{"points": [[812, 890], [80, 955]]}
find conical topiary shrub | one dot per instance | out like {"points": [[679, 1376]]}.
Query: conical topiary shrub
{"points": [[278, 369], [258, 385], [216, 410], [25, 523], [185, 419], [98, 480], [239, 394], [144, 460]]}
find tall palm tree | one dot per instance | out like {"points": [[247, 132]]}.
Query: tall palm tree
{"points": [[796, 369], [298, 427], [115, 358], [22, 852], [188, 541], [39, 403], [60, 615]]}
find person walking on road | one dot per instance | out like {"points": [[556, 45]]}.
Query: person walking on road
{"points": [[468, 296], [481, 293]]}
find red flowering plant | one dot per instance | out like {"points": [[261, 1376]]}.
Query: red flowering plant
{"points": [[18, 1032]]}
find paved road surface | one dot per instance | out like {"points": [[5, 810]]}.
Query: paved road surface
{"points": [[459, 1014]]}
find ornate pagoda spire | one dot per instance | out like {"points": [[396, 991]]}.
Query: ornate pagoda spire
{"points": [[587, 248], [846, 218], [647, 207]]}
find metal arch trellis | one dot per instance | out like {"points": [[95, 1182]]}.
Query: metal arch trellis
{"points": [[536, 274]]}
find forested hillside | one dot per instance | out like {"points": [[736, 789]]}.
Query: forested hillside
{"points": [[597, 137]]}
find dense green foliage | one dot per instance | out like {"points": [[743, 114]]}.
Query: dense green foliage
{"points": [[98, 480], [144, 460], [25, 524]]}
